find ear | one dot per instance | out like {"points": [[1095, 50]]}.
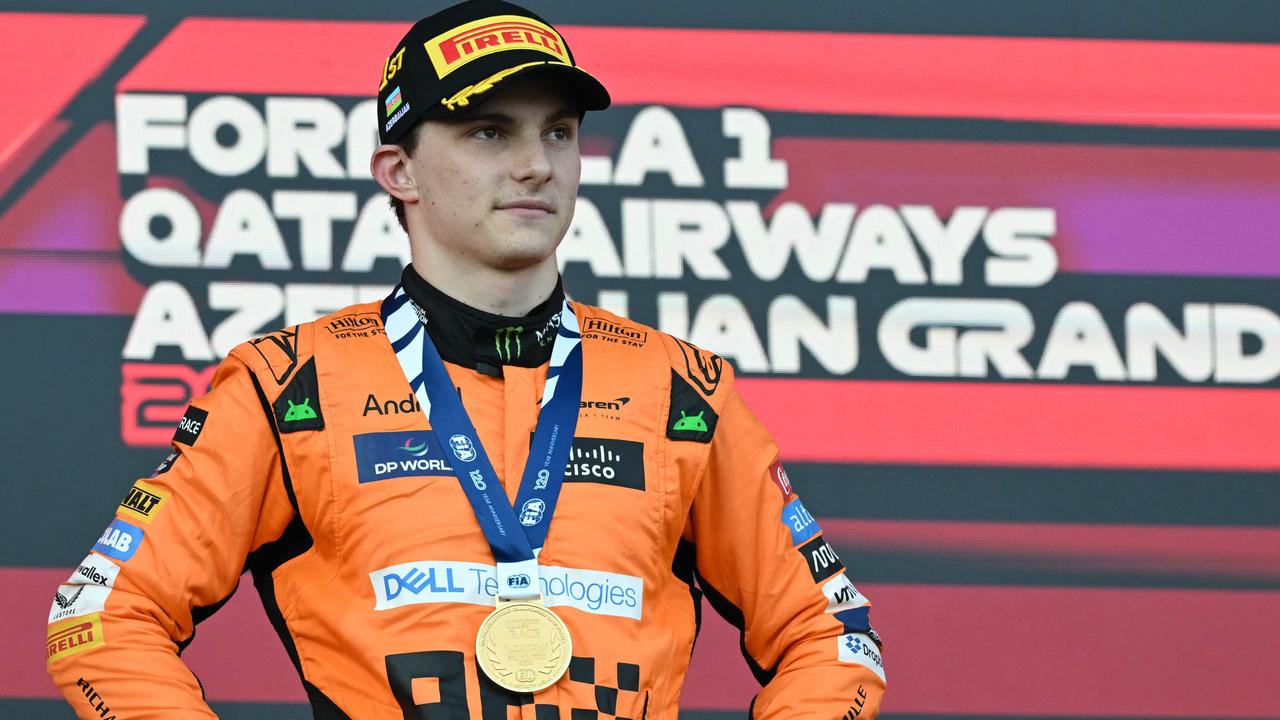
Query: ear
{"points": [[390, 168]]}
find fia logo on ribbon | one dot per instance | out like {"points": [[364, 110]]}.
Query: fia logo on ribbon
{"points": [[531, 512], [462, 447]]}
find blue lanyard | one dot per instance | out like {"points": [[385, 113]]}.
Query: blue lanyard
{"points": [[515, 535]]}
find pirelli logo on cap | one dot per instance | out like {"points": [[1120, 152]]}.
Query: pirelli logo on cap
{"points": [[73, 636], [450, 51]]}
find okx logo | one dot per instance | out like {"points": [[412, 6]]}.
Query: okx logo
{"points": [[387, 455]]}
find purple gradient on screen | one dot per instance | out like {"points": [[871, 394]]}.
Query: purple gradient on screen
{"points": [[84, 222], [1123, 210], [62, 284], [1172, 230], [75, 206], [60, 243]]}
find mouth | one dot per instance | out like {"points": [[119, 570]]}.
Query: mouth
{"points": [[528, 208]]}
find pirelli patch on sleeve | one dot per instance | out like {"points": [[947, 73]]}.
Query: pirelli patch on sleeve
{"points": [[73, 636], [690, 416]]}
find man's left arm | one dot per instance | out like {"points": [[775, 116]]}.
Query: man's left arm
{"points": [[766, 567]]}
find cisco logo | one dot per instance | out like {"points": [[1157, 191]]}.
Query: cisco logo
{"points": [[608, 462]]}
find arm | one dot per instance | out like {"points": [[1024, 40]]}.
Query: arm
{"points": [[765, 566], [172, 554]]}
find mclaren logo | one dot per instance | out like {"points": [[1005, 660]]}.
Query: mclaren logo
{"points": [[603, 409]]}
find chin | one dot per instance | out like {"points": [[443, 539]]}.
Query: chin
{"points": [[514, 248], [519, 256]]}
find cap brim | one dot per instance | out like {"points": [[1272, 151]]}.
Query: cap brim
{"points": [[588, 92]]}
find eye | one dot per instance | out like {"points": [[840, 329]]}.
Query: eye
{"points": [[560, 133], [485, 133]]}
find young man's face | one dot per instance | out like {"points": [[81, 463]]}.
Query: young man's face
{"points": [[498, 187]]}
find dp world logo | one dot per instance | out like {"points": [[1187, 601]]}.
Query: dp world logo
{"points": [[531, 512], [463, 448], [416, 450]]}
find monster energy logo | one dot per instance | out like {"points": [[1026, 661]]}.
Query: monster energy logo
{"points": [[502, 341]]}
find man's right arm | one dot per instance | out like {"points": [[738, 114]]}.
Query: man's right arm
{"points": [[173, 553]]}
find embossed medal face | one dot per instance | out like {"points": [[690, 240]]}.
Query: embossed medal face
{"points": [[523, 646]]}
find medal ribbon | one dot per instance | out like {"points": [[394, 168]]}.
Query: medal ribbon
{"points": [[514, 539]]}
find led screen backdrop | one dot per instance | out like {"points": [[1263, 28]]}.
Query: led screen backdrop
{"points": [[1001, 278]]}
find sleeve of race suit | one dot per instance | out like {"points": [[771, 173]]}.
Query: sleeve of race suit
{"points": [[765, 566], [173, 553]]}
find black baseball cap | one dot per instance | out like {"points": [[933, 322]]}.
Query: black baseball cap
{"points": [[448, 63]]}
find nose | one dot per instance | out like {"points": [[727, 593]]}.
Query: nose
{"points": [[532, 163]]}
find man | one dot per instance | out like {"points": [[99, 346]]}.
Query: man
{"points": [[539, 547]]}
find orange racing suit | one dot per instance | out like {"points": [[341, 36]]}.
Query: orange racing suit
{"points": [[311, 463]]}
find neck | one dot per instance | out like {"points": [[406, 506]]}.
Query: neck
{"points": [[468, 336], [512, 293]]}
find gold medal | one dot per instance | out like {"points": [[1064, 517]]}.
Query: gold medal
{"points": [[523, 646]]}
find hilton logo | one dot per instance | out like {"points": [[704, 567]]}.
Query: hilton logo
{"points": [[609, 331], [361, 325]]}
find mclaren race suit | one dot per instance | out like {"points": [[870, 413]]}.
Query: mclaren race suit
{"points": [[311, 464]]}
